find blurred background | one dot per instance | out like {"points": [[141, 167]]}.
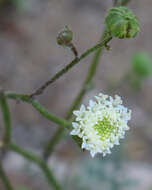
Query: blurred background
{"points": [[29, 55]]}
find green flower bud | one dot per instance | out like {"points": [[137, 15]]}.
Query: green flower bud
{"points": [[142, 64], [122, 23], [64, 38]]}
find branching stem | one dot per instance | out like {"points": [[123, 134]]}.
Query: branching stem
{"points": [[40, 109], [70, 65], [40, 163]]}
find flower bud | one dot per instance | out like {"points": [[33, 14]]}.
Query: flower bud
{"points": [[122, 23], [64, 38], [142, 64]]}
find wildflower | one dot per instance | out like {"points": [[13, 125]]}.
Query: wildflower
{"points": [[102, 124]]}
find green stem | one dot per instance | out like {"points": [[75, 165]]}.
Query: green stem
{"points": [[49, 148], [40, 109], [89, 77], [40, 163], [121, 2], [70, 65], [125, 2], [6, 117], [6, 138], [50, 116], [5, 179], [43, 112]]}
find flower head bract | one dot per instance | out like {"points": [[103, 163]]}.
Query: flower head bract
{"points": [[101, 124]]}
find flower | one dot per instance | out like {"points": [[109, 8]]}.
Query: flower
{"points": [[101, 124]]}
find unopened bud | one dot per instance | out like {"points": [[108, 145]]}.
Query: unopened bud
{"points": [[122, 23], [64, 38]]}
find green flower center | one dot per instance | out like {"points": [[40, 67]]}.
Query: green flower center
{"points": [[105, 129]]}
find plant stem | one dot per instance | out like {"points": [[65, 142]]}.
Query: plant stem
{"points": [[28, 155], [70, 65], [6, 139], [49, 148], [89, 77], [50, 116], [43, 112], [125, 2], [40, 163], [122, 3], [6, 118], [5, 179], [40, 109], [52, 142], [73, 49]]}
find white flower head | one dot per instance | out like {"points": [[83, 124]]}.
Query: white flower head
{"points": [[102, 124]]}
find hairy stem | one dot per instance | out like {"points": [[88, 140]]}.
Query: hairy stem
{"points": [[6, 118], [49, 148], [6, 139], [70, 65], [89, 77], [40, 109], [125, 2], [64, 123], [73, 49], [40, 163], [4, 179], [121, 2]]}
